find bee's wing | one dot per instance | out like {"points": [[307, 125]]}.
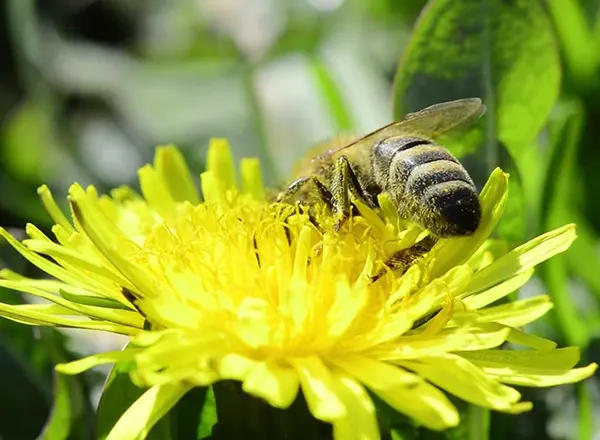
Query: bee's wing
{"points": [[319, 154], [428, 123]]}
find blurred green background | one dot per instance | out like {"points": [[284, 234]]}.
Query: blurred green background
{"points": [[88, 88]]}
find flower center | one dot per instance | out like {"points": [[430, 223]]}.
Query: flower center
{"points": [[268, 275]]}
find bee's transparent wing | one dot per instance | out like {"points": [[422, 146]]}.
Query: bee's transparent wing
{"points": [[428, 123]]}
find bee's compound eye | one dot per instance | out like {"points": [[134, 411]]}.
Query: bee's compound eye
{"points": [[459, 210]]}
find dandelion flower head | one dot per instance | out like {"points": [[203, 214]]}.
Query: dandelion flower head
{"points": [[236, 287]]}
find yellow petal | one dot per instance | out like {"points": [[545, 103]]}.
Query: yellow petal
{"points": [[156, 192], [136, 422], [360, 421], [55, 212], [220, 161], [317, 386], [493, 294], [463, 379], [523, 258], [531, 367], [86, 363], [252, 182], [173, 169], [406, 392], [277, 385], [517, 313], [110, 241], [32, 316], [519, 337], [455, 251]]}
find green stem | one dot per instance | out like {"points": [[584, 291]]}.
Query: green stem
{"points": [[331, 95], [490, 147], [260, 125], [478, 423], [585, 412]]}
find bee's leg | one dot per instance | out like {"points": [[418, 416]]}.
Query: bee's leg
{"points": [[403, 259], [344, 184], [322, 191]]}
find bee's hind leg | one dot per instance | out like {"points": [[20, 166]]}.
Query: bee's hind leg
{"points": [[404, 258], [344, 183]]}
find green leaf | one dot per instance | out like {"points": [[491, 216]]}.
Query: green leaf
{"points": [[577, 41], [502, 51], [566, 129], [583, 256], [25, 402], [558, 209], [26, 367], [555, 275], [513, 224], [192, 417], [28, 129], [118, 395], [72, 414], [191, 414], [208, 417]]}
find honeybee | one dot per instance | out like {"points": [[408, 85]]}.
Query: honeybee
{"points": [[427, 184]]}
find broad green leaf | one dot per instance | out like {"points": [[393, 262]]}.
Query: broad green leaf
{"points": [[557, 209], [561, 189], [501, 51], [27, 129], [26, 398], [513, 224], [192, 416], [583, 256], [26, 367], [118, 395], [208, 417], [72, 413], [556, 278], [148, 412], [579, 48], [566, 129]]}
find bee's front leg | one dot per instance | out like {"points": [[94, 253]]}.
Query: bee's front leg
{"points": [[343, 184], [322, 192]]}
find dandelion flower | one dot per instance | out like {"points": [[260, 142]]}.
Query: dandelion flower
{"points": [[237, 288]]}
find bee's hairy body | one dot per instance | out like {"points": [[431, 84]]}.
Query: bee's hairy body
{"points": [[427, 184], [425, 181]]}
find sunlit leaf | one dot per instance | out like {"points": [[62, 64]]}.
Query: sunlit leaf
{"points": [[501, 51], [578, 45], [27, 129], [72, 414], [118, 395]]}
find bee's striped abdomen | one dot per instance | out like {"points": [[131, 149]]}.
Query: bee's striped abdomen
{"points": [[429, 185]]}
